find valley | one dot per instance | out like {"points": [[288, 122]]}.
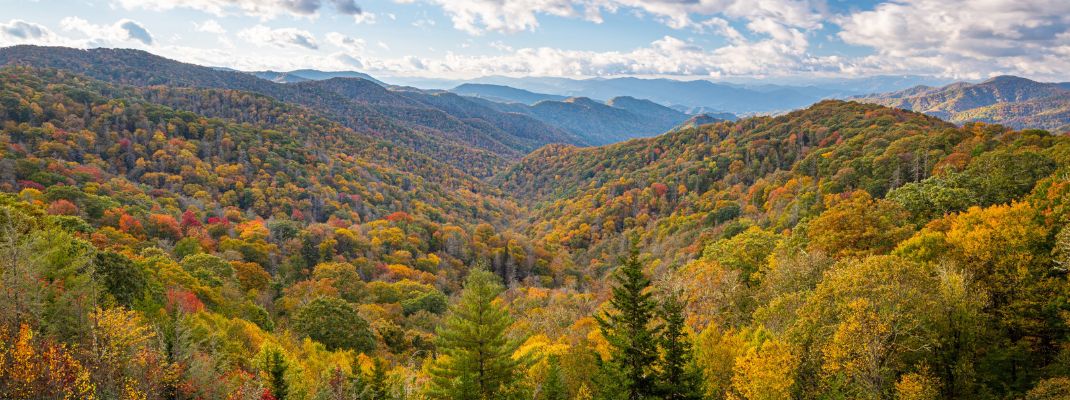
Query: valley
{"points": [[170, 230]]}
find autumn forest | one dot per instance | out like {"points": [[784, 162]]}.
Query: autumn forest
{"points": [[170, 231]]}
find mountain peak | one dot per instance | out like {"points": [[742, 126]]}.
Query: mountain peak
{"points": [[1008, 79]]}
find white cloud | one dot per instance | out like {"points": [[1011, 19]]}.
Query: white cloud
{"points": [[16, 31], [282, 37], [346, 43], [366, 18], [124, 31], [477, 16], [962, 38], [668, 56], [20, 29], [209, 26], [136, 31], [265, 9]]}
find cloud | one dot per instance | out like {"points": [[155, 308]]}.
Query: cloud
{"points": [[17, 31], [478, 16], [365, 18], [123, 31], [348, 7], [209, 26], [23, 30], [962, 38], [136, 31], [264, 9], [668, 56], [283, 37], [346, 43]]}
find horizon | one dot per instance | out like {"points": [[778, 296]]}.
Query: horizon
{"points": [[488, 79], [781, 41]]}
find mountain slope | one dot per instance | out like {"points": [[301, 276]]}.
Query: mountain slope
{"points": [[697, 93], [1010, 100], [596, 123], [678, 187], [503, 94], [478, 147]]}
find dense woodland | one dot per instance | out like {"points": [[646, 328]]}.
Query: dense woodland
{"points": [[172, 241]]}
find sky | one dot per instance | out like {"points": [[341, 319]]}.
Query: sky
{"points": [[682, 39]]}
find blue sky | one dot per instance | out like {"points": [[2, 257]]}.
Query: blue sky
{"points": [[684, 39]]}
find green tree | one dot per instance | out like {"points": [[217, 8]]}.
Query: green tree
{"points": [[680, 378], [553, 388], [121, 278], [378, 387], [629, 328], [475, 358], [274, 367], [335, 323]]}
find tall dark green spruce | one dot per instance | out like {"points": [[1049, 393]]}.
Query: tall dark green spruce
{"points": [[275, 365], [475, 360], [680, 378], [554, 387], [629, 327], [378, 387]]}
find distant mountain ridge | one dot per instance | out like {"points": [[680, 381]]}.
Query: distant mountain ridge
{"points": [[756, 96], [595, 122], [303, 75], [503, 94], [1009, 100]]}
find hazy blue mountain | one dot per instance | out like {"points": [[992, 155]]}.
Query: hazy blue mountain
{"points": [[278, 77], [727, 116], [740, 97], [503, 94], [302, 75], [698, 120]]}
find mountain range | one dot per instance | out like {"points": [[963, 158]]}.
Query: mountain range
{"points": [[468, 133], [172, 231], [1009, 100], [302, 75]]}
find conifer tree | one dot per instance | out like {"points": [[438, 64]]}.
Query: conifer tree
{"points": [[554, 386], [378, 389], [475, 359], [275, 366], [630, 329], [680, 378]]}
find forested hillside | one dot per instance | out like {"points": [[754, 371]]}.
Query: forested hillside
{"points": [[171, 234], [475, 145], [1009, 100]]}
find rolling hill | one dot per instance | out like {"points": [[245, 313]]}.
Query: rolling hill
{"points": [[180, 241], [1013, 101], [503, 94], [476, 146]]}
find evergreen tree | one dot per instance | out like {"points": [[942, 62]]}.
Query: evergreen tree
{"points": [[680, 378], [554, 386], [378, 389], [630, 330], [275, 366], [475, 360]]}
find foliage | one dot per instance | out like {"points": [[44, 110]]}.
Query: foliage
{"points": [[476, 357], [335, 323], [629, 328]]}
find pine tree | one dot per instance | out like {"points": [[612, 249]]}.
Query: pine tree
{"points": [[680, 378], [629, 328], [475, 360], [275, 366], [554, 386], [378, 387]]}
